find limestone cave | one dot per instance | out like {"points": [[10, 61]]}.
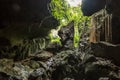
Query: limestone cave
{"points": [[59, 40]]}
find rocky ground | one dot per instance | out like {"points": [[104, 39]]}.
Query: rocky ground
{"points": [[65, 62], [64, 65]]}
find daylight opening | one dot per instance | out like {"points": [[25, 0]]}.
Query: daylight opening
{"points": [[74, 3]]}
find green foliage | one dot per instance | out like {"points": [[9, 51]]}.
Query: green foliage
{"points": [[54, 36], [65, 13]]}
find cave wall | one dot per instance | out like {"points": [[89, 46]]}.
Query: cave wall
{"points": [[90, 7], [24, 25], [23, 10], [115, 8], [24, 19], [105, 20]]}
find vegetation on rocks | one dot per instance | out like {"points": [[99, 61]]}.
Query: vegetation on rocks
{"points": [[75, 58], [65, 13]]}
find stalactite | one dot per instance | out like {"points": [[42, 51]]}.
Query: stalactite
{"points": [[93, 37], [102, 25], [108, 25]]}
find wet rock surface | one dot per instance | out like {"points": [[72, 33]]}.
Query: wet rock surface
{"points": [[63, 63], [67, 65], [107, 50], [67, 33], [33, 60]]}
